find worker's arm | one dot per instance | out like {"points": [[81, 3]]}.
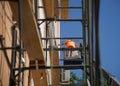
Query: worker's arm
{"points": [[61, 44]]}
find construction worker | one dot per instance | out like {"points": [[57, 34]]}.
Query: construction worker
{"points": [[69, 44]]}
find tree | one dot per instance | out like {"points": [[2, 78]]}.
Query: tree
{"points": [[75, 80]]}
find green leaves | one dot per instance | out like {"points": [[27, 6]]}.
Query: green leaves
{"points": [[75, 80]]}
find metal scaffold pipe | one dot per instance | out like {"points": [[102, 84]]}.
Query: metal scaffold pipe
{"points": [[62, 49], [54, 67], [90, 41], [84, 41], [62, 38], [69, 20], [97, 53], [21, 45], [70, 7]]}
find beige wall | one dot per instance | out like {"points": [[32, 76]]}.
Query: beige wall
{"points": [[6, 23], [5, 31]]}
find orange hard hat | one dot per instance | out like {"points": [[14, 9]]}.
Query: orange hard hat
{"points": [[70, 43]]}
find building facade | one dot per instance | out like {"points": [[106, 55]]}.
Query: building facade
{"points": [[21, 43]]}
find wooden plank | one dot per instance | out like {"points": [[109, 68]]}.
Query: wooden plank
{"points": [[39, 77], [32, 43], [55, 72], [49, 5], [31, 38], [52, 13], [64, 12]]}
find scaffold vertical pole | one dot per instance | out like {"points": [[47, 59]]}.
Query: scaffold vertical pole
{"points": [[84, 41], [90, 45], [21, 45]]}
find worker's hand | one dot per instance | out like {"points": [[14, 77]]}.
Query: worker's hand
{"points": [[76, 45], [58, 44]]}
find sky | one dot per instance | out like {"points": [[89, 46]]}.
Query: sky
{"points": [[109, 27], [109, 36]]}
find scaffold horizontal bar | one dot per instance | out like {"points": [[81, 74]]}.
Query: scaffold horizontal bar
{"points": [[63, 38], [8, 48], [71, 59], [41, 6], [54, 67], [62, 49], [45, 49], [70, 7], [53, 19], [9, 0]]}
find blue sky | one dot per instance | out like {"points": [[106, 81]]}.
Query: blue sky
{"points": [[109, 36], [109, 33]]}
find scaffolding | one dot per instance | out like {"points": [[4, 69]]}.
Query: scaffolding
{"points": [[90, 65]]}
